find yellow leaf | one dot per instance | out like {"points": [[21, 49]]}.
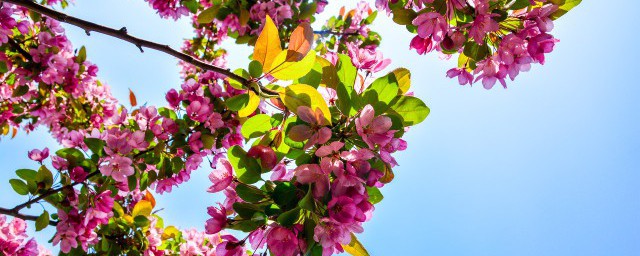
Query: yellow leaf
{"points": [[251, 106], [403, 76], [170, 232], [355, 248], [143, 207], [300, 42], [128, 218], [132, 98], [268, 44], [284, 70], [296, 95]]}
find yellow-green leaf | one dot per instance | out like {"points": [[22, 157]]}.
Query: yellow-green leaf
{"points": [[268, 44], [285, 70], [403, 76], [143, 207], [251, 106], [355, 248], [296, 95]]}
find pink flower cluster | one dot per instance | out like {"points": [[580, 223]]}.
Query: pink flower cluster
{"points": [[13, 239], [507, 53], [77, 228], [73, 98]]}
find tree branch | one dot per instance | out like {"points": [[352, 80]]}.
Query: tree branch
{"points": [[48, 193], [24, 217], [140, 43]]}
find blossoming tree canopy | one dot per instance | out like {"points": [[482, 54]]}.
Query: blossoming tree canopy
{"points": [[299, 142]]}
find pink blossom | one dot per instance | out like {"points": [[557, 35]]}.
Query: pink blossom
{"points": [[217, 221], [482, 25], [282, 241], [540, 45], [373, 130], [316, 132], [37, 155], [198, 111], [367, 58], [422, 45], [464, 77], [331, 234], [118, 167], [342, 209], [221, 176], [313, 174], [431, 25]]}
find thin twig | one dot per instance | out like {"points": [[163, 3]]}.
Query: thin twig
{"points": [[138, 42]]}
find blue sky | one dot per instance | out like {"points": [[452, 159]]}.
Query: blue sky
{"points": [[550, 166]]}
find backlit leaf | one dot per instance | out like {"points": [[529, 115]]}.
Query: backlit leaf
{"points": [[300, 42], [268, 44], [355, 248], [297, 95], [287, 70]]}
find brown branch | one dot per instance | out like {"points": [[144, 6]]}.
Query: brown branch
{"points": [[23, 216], [140, 43], [20, 50]]}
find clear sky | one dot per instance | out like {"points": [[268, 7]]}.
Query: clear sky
{"points": [[550, 166]]}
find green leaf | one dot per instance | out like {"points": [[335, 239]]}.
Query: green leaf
{"points": [[141, 221], [27, 174], [284, 194], [250, 193], [404, 16], [208, 14], [246, 210], [256, 126], [237, 102], [255, 68], [347, 96], [3, 67], [307, 202], [72, 154], [246, 225], [45, 176], [247, 169], [381, 92], [564, 8], [96, 145], [475, 51], [82, 55], [411, 109], [42, 221], [519, 4], [20, 90], [374, 195], [19, 186], [288, 218]]}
